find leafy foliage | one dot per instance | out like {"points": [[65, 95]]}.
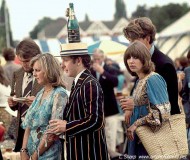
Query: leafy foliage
{"points": [[162, 16], [2, 26], [120, 10], [41, 24]]}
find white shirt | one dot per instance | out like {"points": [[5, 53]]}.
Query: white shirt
{"points": [[77, 77], [4, 93]]}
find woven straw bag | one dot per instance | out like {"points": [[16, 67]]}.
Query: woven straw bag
{"points": [[169, 142]]}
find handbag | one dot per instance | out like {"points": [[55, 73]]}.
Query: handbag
{"points": [[169, 142]]}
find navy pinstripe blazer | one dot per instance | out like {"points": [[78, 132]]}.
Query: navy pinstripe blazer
{"points": [[85, 137]]}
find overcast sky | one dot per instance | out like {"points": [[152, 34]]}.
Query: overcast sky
{"points": [[25, 14]]}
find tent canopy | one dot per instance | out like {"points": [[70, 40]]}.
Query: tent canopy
{"points": [[174, 40], [109, 47]]}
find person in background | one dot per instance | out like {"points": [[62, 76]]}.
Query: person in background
{"points": [[2, 131], [107, 77], [185, 94], [5, 88], [180, 63], [150, 97], [143, 29], [23, 85], [49, 104], [10, 67], [83, 117]]}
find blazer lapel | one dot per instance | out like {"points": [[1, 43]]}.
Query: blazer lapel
{"points": [[19, 82], [72, 96]]}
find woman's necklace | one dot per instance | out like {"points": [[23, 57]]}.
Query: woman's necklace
{"points": [[45, 94], [48, 90]]}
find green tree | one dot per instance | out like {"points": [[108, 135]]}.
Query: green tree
{"points": [[2, 27], [41, 24], [120, 10], [162, 16], [86, 19], [141, 11], [5, 31], [167, 14]]}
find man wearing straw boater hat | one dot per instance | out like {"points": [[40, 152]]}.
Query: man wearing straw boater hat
{"points": [[83, 117]]}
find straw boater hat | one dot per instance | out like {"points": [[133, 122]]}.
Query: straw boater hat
{"points": [[73, 49]]}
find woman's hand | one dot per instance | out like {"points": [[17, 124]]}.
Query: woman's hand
{"points": [[130, 132], [34, 156], [24, 156], [127, 105], [128, 117]]}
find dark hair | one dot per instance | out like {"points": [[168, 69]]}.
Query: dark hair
{"points": [[183, 62], [140, 28], [8, 54], [3, 79], [86, 60], [27, 49], [188, 55], [138, 49]]}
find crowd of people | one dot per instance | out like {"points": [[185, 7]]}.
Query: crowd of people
{"points": [[58, 121]]}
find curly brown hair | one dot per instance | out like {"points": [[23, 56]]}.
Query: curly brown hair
{"points": [[140, 28]]}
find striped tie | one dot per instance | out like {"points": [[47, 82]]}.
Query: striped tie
{"points": [[27, 92], [28, 88]]}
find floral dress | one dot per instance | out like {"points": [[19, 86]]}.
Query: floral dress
{"points": [[37, 119], [152, 107]]}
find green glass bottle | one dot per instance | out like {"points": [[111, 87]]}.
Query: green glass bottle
{"points": [[73, 26]]}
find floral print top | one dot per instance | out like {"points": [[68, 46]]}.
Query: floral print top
{"points": [[38, 116], [152, 92]]}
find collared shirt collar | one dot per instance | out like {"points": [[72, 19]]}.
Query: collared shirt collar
{"points": [[77, 77]]}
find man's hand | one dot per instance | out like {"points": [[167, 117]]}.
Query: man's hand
{"points": [[57, 126], [127, 103], [98, 68], [29, 100], [11, 102]]}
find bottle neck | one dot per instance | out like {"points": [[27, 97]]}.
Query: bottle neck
{"points": [[71, 12]]}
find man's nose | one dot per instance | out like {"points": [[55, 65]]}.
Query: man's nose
{"points": [[62, 65]]}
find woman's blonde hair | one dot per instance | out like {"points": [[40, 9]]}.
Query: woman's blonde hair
{"points": [[52, 68], [138, 50]]}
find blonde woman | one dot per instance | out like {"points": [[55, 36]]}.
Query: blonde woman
{"points": [[49, 104]]}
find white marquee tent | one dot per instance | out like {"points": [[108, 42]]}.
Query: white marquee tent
{"points": [[174, 40]]}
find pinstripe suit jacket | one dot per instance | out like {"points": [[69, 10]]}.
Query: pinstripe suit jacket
{"points": [[16, 89], [85, 137]]}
